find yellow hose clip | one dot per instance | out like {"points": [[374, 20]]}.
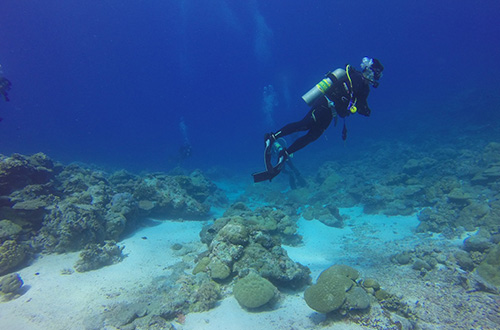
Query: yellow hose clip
{"points": [[352, 104]]}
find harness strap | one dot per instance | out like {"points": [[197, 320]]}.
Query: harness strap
{"points": [[331, 105]]}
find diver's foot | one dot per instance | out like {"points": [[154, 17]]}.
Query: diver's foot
{"points": [[269, 139], [282, 158]]}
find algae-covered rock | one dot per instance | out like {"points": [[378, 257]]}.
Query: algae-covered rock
{"points": [[371, 283], [11, 255], [10, 283], [274, 265], [8, 229], [201, 266], [234, 233], [489, 269], [464, 260], [218, 269], [382, 295], [99, 255], [477, 243], [357, 298], [254, 291], [402, 258], [414, 166], [420, 264]]}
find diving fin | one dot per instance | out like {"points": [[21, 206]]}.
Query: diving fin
{"points": [[263, 176], [271, 171]]}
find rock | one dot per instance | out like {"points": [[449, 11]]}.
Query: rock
{"points": [[464, 260], [234, 233], [218, 269], [414, 166], [477, 243], [402, 258], [489, 269], [96, 256], [371, 283], [11, 283], [275, 265], [11, 255], [19, 171], [357, 298], [8, 229], [460, 197], [420, 264]]}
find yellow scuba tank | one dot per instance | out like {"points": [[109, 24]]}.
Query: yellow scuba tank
{"points": [[322, 87]]}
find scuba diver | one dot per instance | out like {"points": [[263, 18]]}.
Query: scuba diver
{"points": [[295, 178], [185, 151], [5, 86], [341, 93]]}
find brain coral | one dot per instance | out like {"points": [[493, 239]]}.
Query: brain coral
{"points": [[329, 292], [254, 291], [324, 298]]}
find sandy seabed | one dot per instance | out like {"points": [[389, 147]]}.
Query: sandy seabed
{"points": [[55, 300]]}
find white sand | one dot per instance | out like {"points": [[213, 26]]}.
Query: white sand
{"points": [[56, 301]]}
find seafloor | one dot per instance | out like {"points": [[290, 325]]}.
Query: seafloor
{"points": [[414, 233]]}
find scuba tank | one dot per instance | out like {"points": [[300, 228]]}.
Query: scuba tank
{"points": [[322, 87]]}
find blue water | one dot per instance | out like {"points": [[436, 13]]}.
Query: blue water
{"points": [[111, 82]]}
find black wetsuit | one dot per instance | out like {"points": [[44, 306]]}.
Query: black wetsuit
{"points": [[321, 114]]}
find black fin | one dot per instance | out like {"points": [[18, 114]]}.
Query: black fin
{"points": [[263, 176], [344, 133]]}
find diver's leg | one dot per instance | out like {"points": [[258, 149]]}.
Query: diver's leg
{"points": [[302, 125], [321, 118], [303, 141]]}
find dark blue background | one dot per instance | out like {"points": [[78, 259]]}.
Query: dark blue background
{"points": [[107, 82]]}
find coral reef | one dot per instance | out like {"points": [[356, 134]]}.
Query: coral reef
{"points": [[96, 256], [57, 208], [243, 241], [451, 189]]}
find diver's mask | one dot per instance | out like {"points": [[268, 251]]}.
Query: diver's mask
{"points": [[372, 70]]}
